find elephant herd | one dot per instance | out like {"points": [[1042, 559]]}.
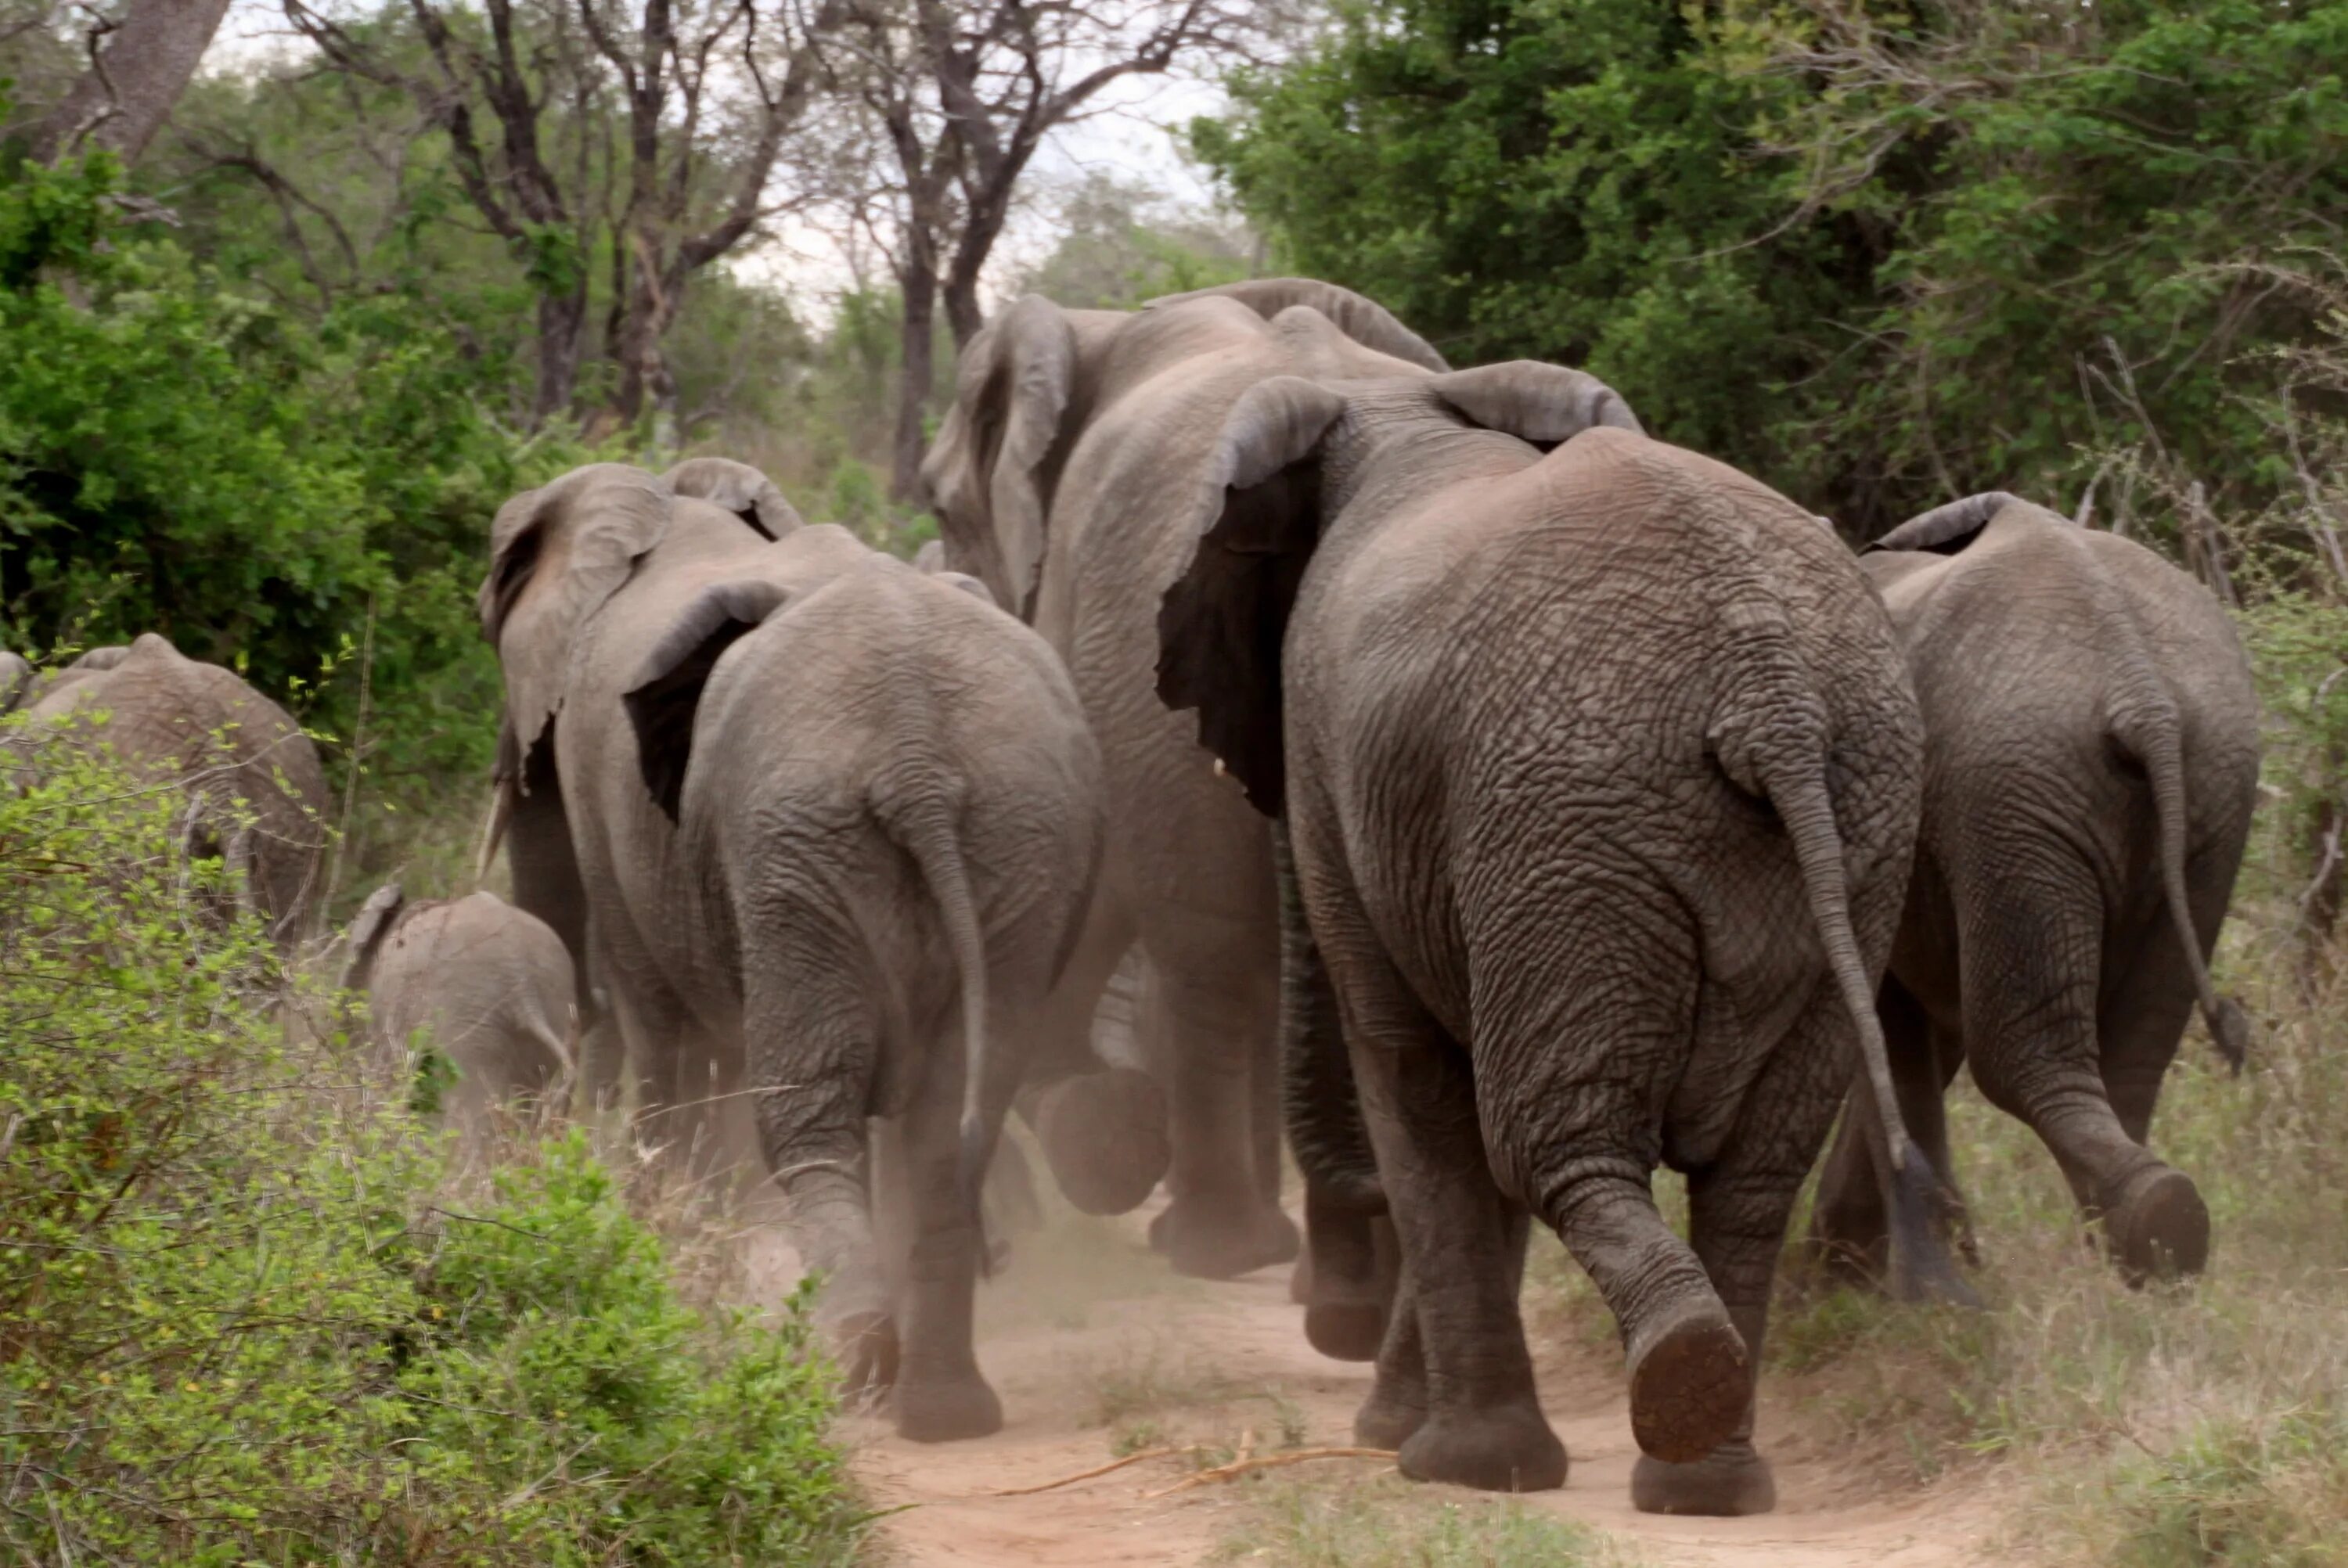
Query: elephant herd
{"points": [[1435, 772]]}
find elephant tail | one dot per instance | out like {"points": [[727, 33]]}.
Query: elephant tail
{"points": [[1922, 1267], [922, 822], [2150, 731]]}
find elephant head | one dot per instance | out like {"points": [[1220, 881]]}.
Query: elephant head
{"points": [[15, 680], [740, 488], [1019, 394], [1269, 491], [557, 553]]}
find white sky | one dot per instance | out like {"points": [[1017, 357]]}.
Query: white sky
{"points": [[1136, 139]]}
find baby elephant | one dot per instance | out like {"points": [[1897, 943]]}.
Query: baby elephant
{"points": [[492, 987]]}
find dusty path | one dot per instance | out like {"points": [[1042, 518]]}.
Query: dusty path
{"points": [[1092, 1340]]}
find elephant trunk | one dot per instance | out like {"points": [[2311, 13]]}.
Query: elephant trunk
{"points": [[1319, 1101], [1353, 1275]]}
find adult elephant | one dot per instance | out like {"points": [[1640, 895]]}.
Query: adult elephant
{"points": [[257, 788], [1599, 773], [1067, 479], [837, 823], [2092, 763]]}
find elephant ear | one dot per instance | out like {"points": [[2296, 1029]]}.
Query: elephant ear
{"points": [[964, 583], [105, 658], [740, 490], [984, 475], [1546, 404], [556, 554], [1220, 625], [15, 680], [930, 559], [665, 693], [1948, 528], [368, 929], [1365, 321]]}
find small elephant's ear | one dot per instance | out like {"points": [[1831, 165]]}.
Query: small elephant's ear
{"points": [[1365, 321], [15, 680], [105, 658], [930, 559], [740, 490], [367, 930], [665, 693], [1950, 527], [1546, 404], [557, 553], [984, 474], [1220, 625], [967, 584]]}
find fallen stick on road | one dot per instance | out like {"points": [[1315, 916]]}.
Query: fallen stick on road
{"points": [[1099, 1470], [1268, 1461]]}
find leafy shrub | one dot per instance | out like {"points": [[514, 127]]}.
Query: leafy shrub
{"points": [[233, 1328]]}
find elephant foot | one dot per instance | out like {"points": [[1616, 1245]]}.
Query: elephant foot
{"points": [[1104, 1136], [1387, 1420], [865, 1348], [1209, 1244], [1346, 1330], [948, 1410], [2160, 1229], [1729, 1483], [1690, 1384], [1508, 1448]]}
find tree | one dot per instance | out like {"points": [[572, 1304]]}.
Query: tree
{"points": [[577, 135], [1121, 244], [139, 64], [1880, 255], [955, 100]]}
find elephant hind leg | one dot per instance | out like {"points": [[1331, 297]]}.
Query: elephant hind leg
{"points": [[1849, 1235], [1472, 1417], [814, 1043], [942, 1397], [2035, 1043]]}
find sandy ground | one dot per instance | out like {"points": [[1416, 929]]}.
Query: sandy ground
{"points": [[1089, 1334]]}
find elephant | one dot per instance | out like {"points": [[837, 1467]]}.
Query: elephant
{"points": [[837, 823], [1064, 477], [2091, 767], [258, 789], [1598, 772], [492, 986]]}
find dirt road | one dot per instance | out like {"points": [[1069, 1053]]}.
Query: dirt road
{"points": [[1090, 1343]]}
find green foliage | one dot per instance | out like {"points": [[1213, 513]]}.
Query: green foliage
{"points": [[1879, 255], [279, 496], [1122, 246], [231, 1331]]}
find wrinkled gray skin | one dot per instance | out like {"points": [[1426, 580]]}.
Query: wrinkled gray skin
{"points": [[172, 717], [1068, 477], [1599, 772], [2091, 769], [837, 823], [490, 986]]}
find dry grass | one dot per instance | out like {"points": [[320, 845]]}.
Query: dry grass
{"points": [[2194, 1424], [1383, 1521]]}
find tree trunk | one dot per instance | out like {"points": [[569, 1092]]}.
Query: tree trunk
{"points": [[917, 337], [963, 313], [561, 321], [143, 66]]}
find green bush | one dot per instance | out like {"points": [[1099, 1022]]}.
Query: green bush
{"points": [[235, 1325]]}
